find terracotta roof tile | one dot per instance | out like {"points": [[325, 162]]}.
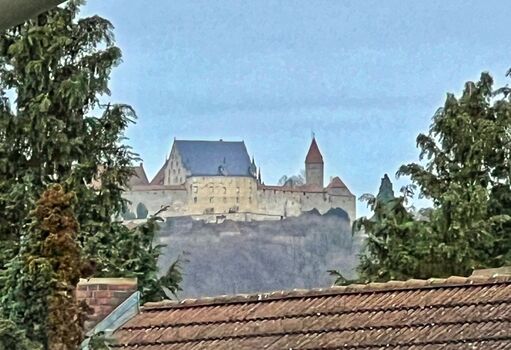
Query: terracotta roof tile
{"points": [[314, 155], [139, 176], [336, 183], [454, 313], [159, 178]]}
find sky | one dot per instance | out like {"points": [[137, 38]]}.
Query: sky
{"points": [[364, 76]]}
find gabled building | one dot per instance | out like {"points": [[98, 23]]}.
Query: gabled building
{"points": [[211, 179]]}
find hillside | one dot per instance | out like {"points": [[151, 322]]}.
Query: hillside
{"points": [[247, 257]]}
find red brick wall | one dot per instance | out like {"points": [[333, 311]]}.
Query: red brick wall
{"points": [[104, 295]]}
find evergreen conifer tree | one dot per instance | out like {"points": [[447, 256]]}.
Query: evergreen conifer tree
{"points": [[56, 127]]}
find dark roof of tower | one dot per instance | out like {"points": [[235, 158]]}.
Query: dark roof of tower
{"points": [[212, 158], [139, 176], [314, 155]]}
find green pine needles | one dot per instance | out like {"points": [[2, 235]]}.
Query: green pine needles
{"points": [[466, 173], [57, 130]]}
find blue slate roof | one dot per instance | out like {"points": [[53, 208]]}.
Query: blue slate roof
{"points": [[214, 158]]}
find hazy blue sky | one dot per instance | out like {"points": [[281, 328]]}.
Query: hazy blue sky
{"points": [[365, 76]]}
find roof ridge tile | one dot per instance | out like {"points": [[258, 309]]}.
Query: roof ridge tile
{"points": [[452, 281]]}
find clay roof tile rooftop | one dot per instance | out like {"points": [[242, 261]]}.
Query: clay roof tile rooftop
{"points": [[139, 176], [336, 183], [454, 313]]}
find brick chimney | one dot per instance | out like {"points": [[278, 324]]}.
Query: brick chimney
{"points": [[104, 295]]}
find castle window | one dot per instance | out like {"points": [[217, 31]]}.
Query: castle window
{"points": [[211, 199], [225, 190], [175, 178], [195, 199], [179, 170], [237, 199]]}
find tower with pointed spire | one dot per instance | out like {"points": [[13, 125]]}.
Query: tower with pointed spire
{"points": [[314, 166]]}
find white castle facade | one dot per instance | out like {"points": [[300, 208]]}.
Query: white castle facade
{"points": [[216, 180]]}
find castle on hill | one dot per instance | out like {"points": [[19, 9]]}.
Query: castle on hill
{"points": [[216, 180]]}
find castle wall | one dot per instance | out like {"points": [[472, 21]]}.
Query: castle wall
{"points": [[325, 202], [278, 202], [343, 198], [155, 199], [221, 194], [292, 202], [237, 198]]}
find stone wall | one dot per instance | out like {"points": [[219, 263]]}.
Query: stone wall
{"points": [[221, 194], [314, 174], [229, 195], [293, 202], [156, 197]]}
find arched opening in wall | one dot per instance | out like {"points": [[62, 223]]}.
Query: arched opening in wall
{"points": [[142, 211], [195, 199]]}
